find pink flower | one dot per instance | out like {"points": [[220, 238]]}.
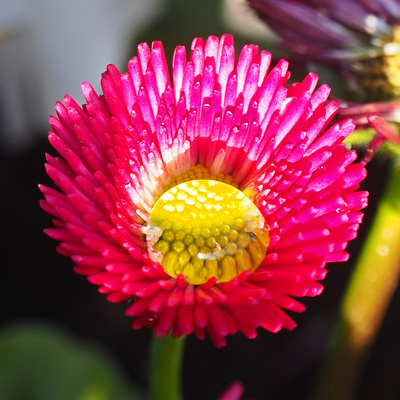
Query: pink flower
{"points": [[360, 37], [268, 197], [382, 118], [233, 392]]}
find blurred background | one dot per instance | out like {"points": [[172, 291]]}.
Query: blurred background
{"points": [[48, 313]]}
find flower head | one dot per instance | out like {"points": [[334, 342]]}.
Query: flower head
{"points": [[208, 201], [233, 392], [376, 125], [361, 36]]}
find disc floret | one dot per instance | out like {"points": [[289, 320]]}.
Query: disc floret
{"points": [[206, 228]]}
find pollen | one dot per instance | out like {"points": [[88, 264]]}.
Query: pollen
{"points": [[198, 172], [206, 228], [391, 61], [380, 71]]}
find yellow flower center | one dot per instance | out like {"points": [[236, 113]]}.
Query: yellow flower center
{"points": [[391, 61], [206, 228], [380, 70]]}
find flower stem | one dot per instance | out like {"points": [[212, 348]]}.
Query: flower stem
{"points": [[365, 302], [166, 361]]}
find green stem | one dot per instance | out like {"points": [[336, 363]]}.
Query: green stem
{"points": [[166, 361], [365, 302]]}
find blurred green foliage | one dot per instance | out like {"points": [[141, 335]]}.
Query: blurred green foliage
{"points": [[40, 362]]}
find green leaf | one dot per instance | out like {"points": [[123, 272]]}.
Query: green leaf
{"points": [[39, 362], [360, 137]]}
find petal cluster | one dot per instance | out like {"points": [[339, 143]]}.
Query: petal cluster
{"points": [[120, 150], [330, 30]]}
